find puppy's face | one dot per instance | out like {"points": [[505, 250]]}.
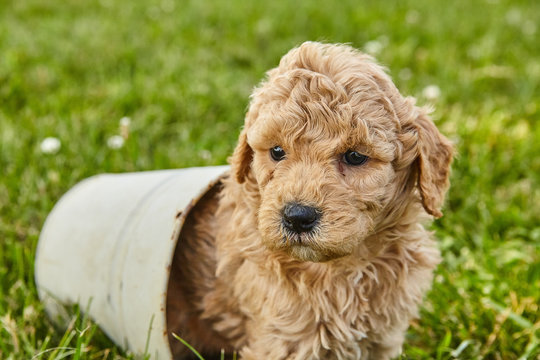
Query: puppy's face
{"points": [[330, 157], [324, 174]]}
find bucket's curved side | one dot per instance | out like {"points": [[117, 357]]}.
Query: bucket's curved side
{"points": [[147, 268], [110, 239]]}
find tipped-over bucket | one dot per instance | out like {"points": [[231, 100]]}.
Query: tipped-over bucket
{"points": [[110, 241]]}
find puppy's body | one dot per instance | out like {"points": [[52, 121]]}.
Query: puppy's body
{"points": [[345, 284]]}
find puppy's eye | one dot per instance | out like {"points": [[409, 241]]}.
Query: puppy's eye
{"points": [[277, 153], [354, 158]]}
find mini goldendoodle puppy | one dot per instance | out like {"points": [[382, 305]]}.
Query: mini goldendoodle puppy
{"points": [[313, 246]]}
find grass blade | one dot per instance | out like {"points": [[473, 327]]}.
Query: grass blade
{"points": [[191, 348]]}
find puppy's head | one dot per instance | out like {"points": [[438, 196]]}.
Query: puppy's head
{"points": [[337, 153]]}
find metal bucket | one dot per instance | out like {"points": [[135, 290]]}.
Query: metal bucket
{"points": [[110, 242]]}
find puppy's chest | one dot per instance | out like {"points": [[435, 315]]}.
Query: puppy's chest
{"points": [[333, 307]]}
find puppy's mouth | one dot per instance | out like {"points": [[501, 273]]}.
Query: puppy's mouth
{"points": [[291, 238], [304, 246]]}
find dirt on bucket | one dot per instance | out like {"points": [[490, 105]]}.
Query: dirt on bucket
{"points": [[192, 277]]}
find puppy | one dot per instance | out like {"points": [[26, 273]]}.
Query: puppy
{"points": [[313, 246]]}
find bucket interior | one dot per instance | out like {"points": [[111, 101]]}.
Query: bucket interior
{"points": [[192, 276]]}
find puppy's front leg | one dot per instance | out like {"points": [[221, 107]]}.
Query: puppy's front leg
{"points": [[265, 341], [264, 349], [388, 347]]}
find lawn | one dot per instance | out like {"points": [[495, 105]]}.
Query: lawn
{"points": [[182, 73]]}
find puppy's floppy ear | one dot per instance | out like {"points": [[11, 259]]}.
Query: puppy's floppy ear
{"points": [[434, 158], [241, 158]]}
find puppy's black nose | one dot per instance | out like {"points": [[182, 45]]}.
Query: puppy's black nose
{"points": [[300, 218]]}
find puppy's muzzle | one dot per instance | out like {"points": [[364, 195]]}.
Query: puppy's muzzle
{"points": [[300, 218]]}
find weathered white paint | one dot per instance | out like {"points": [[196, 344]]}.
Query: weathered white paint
{"points": [[111, 240]]}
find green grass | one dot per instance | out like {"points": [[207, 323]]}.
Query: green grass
{"points": [[183, 71]]}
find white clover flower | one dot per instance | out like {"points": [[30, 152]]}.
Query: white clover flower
{"points": [[29, 313], [513, 16], [431, 92], [373, 47], [205, 154], [115, 142], [412, 17], [405, 74], [50, 145], [125, 121]]}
